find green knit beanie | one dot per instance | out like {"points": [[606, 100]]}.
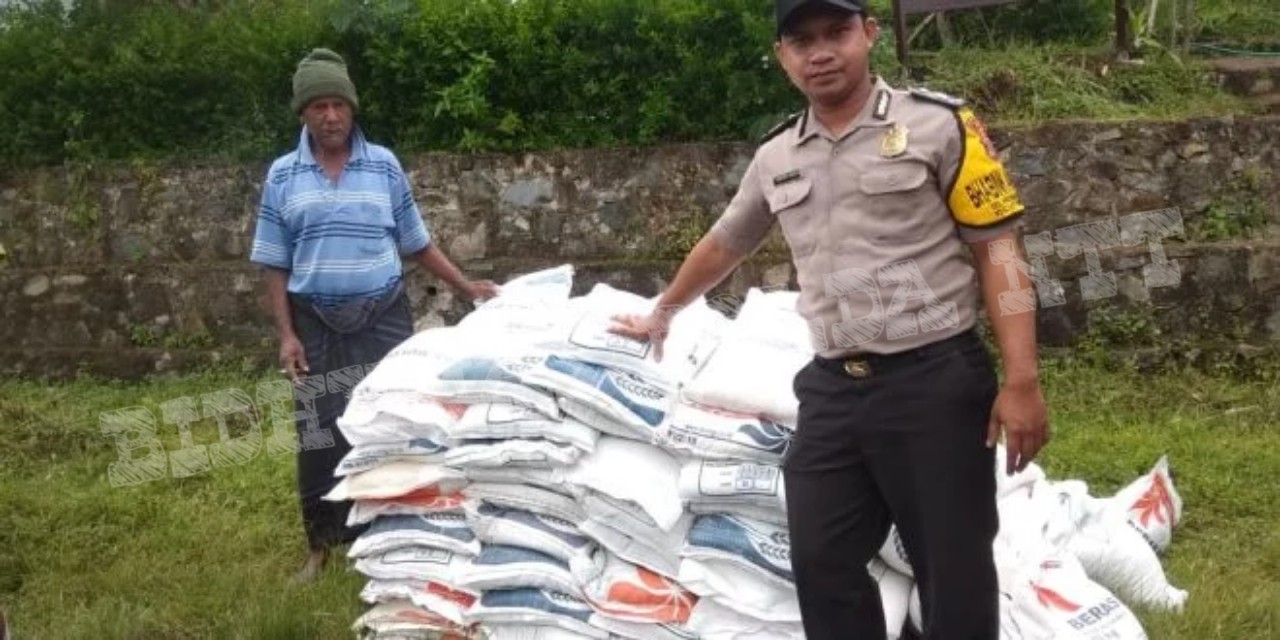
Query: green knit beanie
{"points": [[322, 73]]}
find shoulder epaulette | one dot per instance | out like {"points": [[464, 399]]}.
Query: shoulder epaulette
{"points": [[777, 129], [938, 97]]}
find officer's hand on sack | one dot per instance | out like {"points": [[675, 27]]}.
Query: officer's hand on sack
{"points": [[480, 290], [652, 327], [1020, 409]]}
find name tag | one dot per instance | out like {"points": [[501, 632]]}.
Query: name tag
{"points": [[789, 176]]}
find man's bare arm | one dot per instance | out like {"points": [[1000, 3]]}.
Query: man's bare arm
{"points": [[1015, 331], [710, 262], [293, 358], [1020, 407], [278, 300]]}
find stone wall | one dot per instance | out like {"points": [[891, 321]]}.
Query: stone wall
{"points": [[129, 270]]}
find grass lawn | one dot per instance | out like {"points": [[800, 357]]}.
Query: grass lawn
{"points": [[210, 556]]}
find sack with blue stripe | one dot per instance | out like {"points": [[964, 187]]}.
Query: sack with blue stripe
{"points": [[703, 432], [553, 536], [476, 380], [531, 608], [760, 547], [364, 457], [510, 567], [611, 401], [448, 531]]}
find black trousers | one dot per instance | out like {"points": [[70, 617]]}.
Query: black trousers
{"points": [[899, 441], [338, 358]]}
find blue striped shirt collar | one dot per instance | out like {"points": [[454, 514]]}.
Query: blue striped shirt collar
{"points": [[359, 147]]}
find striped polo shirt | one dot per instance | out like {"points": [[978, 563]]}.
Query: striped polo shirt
{"points": [[344, 240]]}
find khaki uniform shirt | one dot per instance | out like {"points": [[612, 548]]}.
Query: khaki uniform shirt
{"points": [[877, 217]]}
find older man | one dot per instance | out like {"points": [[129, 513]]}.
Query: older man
{"points": [[337, 216]]}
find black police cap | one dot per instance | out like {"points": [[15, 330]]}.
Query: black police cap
{"points": [[784, 9]]}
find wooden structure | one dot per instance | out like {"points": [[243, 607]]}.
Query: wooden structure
{"points": [[904, 8]]}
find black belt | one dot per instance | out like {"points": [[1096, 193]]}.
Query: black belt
{"points": [[865, 365]]}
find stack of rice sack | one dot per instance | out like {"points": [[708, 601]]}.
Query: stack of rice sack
{"points": [[509, 463], [528, 474], [1071, 565]]}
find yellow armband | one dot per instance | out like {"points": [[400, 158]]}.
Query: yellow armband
{"points": [[983, 194]]}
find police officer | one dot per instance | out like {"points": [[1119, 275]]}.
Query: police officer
{"points": [[899, 218]]}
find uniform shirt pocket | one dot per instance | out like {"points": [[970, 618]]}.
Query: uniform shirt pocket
{"points": [[793, 204], [898, 199]]}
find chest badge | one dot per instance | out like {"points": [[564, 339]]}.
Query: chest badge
{"points": [[894, 142]]}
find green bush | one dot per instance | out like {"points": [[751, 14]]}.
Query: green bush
{"points": [[139, 79], [130, 79], [116, 79]]}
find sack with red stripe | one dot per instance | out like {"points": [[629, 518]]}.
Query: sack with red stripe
{"points": [[1051, 598], [1153, 506], [402, 619], [419, 502], [618, 589], [436, 597]]}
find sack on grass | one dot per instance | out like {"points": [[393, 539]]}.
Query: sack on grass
{"points": [[610, 398], [508, 567], [396, 479], [1152, 504], [414, 503], [528, 608], [895, 596], [703, 432], [1043, 512], [401, 619], [415, 563], [728, 482], [1053, 599], [496, 420], [714, 621], [558, 538], [364, 457], [621, 590], [448, 531], [634, 472], [1117, 556], [535, 499], [740, 589], [758, 547], [520, 452], [444, 600]]}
